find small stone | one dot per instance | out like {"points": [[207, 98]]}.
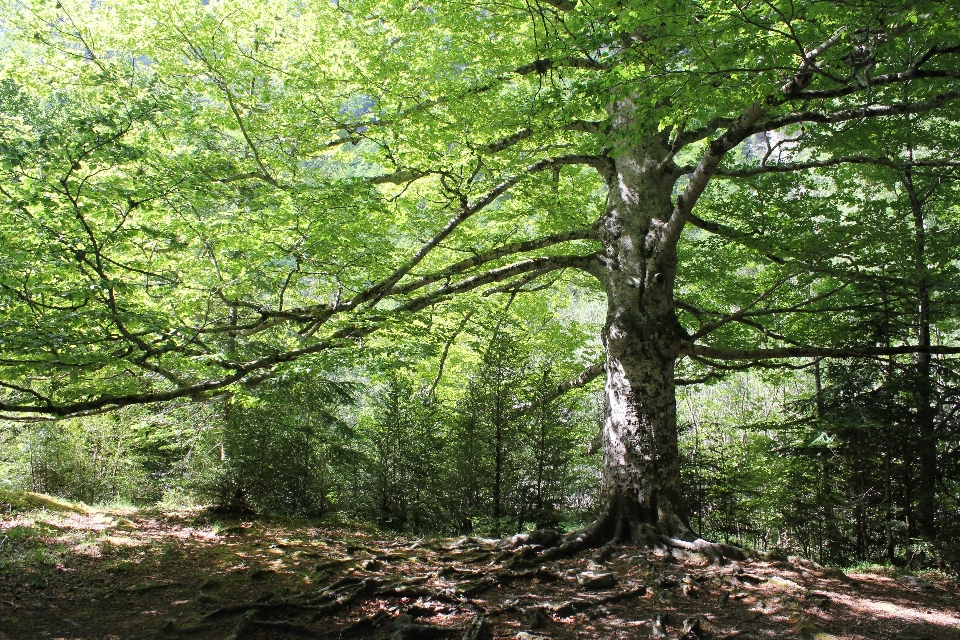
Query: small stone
{"points": [[667, 582], [545, 575], [691, 629], [690, 591], [783, 583], [914, 581], [803, 562], [535, 618], [659, 629], [596, 580]]}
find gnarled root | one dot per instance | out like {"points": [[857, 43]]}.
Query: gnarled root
{"points": [[624, 524]]}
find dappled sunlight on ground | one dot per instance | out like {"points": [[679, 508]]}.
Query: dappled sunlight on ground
{"points": [[914, 605], [107, 574]]}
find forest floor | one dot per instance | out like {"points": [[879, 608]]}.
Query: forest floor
{"points": [[74, 572]]}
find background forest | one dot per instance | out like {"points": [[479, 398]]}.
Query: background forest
{"points": [[819, 460], [260, 256]]}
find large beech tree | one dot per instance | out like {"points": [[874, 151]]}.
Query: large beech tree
{"points": [[195, 195]]}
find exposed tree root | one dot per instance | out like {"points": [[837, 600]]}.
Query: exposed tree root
{"points": [[349, 591], [522, 556], [285, 625], [581, 604], [620, 526], [364, 625], [593, 537], [366, 587], [245, 624], [476, 630]]}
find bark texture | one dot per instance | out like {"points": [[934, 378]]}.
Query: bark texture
{"points": [[642, 338]]}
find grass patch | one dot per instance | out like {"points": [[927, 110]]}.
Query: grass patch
{"points": [[29, 501]]}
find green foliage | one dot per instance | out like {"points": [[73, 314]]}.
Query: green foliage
{"points": [[197, 196], [514, 470], [283, 448], [455, 455], [406, 450], [126, 456]]}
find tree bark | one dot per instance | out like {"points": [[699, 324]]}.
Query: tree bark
{"points": [[642, 339], [926, 430]]}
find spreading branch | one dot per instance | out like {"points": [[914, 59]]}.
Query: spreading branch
{"points": [[858, 113], [707, 167], [543, 265], [899, 165], [524, 246], [714, 353], [751, 311], [586, 376]]}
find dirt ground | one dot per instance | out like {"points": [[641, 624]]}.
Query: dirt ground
{"points": [[71, 572]]}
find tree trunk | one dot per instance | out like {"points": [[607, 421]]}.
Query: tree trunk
{"points": [[888, 502], [642, 338], [926, 431]]}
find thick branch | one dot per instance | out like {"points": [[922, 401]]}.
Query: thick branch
{"points": [[586, 376], [551, 263], [379, 291], [495, 254], [734, 135], [319, 314], [812, 352], [914, 72], [198, 390], [873, 111], [398, 177], [707, 130], [543, 66], [830, 162]]}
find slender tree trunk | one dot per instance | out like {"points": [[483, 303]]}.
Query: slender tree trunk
{"points": [[926, 432], [498, 475], [908, 498], [818, 381], [541, 460], [888, 502]]}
